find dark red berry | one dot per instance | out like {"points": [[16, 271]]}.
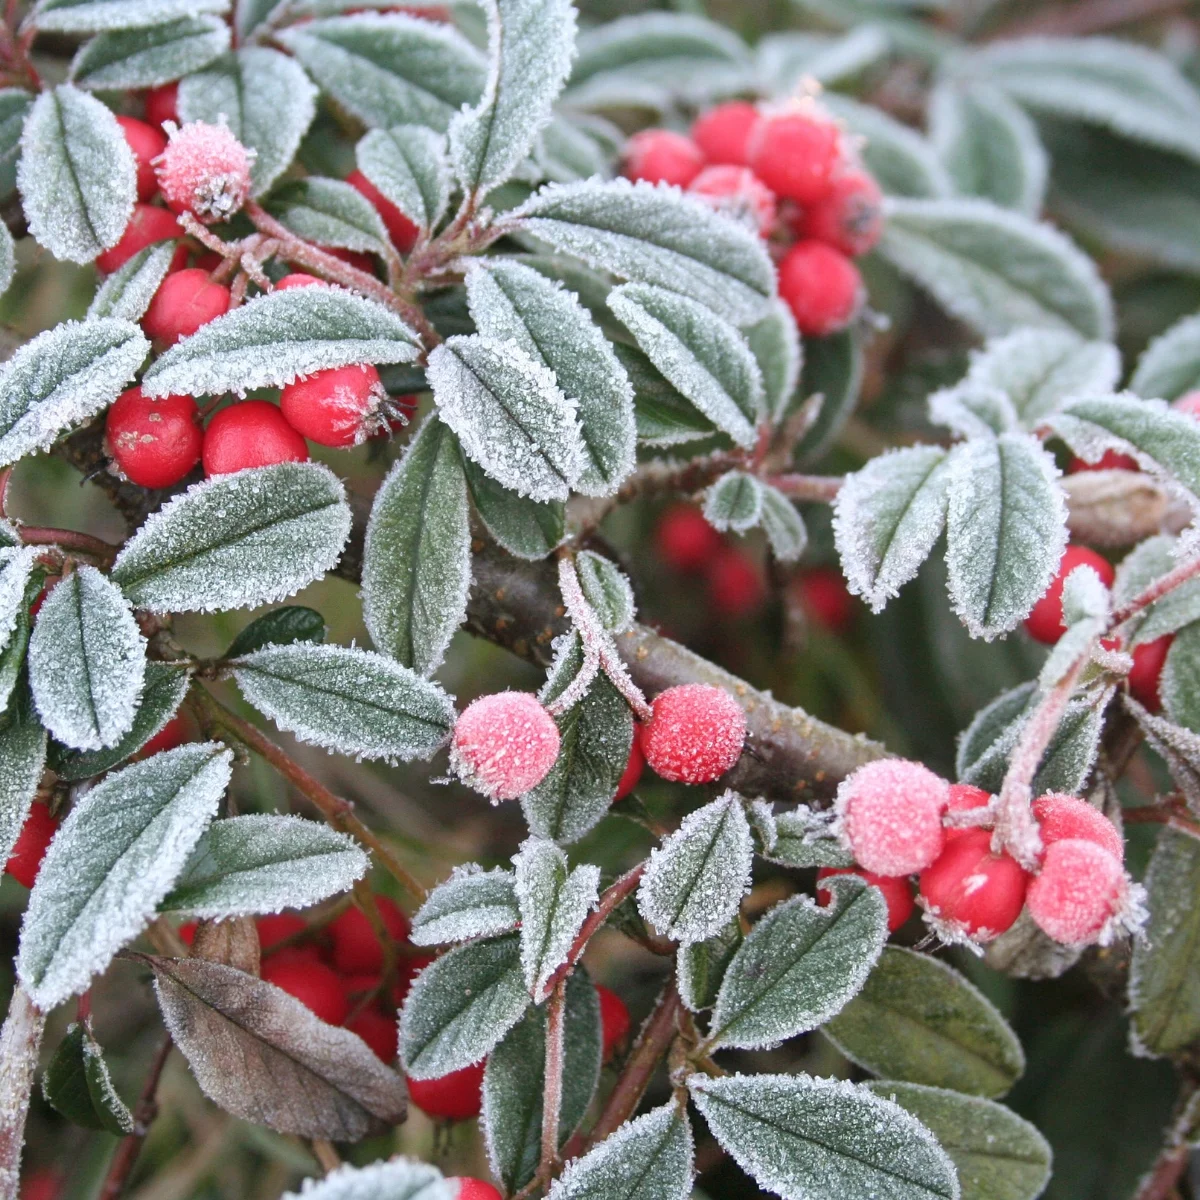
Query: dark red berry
{"points": [[821, 286], [400, 229], [963, 796], [147, 143], [154, 442], [378, 1031], [897, 892], [660, 156], [149, 224], [825, 598], [632, 774], [162, 104], [187, 932], [31, 844], [723, 133], [735, 584], [337, 407], [312, 983], [685, 540], [614, 1020], [454, 1097], [184, 302], [849, 217], [250, 434], [796, 152], [1060, 816], [1045, 623], [279, 927], [173, 733], [971, 892], [1148, 661], [1110, 460], [356, 949], [44, 1184]]}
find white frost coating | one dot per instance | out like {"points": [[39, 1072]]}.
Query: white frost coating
{"points": [[472, 903], [147, 58], [553, 902], [1170, 365], [16, 565], [62, 377], [734, 502], [71, 16], [607, 589], [509, 414], [396, 1179], [1085, 608], [761, 814], [87, 662], [783, 525], [408, 165], [237, 541], [649, 1158], [127, 292], [114, 858], [696, 879], [331, 213], [886, 519], [971, 410]]}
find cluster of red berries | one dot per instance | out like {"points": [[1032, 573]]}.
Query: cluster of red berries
{"points": [[790, 172], [894, 817]]}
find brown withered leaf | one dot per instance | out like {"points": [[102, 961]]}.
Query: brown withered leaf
{"points": [[233, 942], [263, 1056]]}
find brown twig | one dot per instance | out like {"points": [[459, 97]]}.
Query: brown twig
{"points": [[822, 488], [69, 539], [1164, 1175], [1153, 814], [127, 1151], [556, 1010], [1157, 590]]}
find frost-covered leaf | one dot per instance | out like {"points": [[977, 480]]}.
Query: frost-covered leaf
{"points": [[17, 566], [998, 1156], [329, 212], [390, 69], [63, 377], [553, 900], [408, 165], [261, 1055], [529, 529], [799, 966], [607, 589], [786, 59], [266, 99], [92, 16], [734, 502], [664, 415], [918, 1020], [115, 857], [802, 1137], [514, 1081], [887, 517], [87, 662], [279, 627], [417, 555], [783, 526], [833, 370], [237, 541], [146, 58], [775, 343], [575, 146], [1170, 365], [278, 337], [700, 966], [1179, 747], [127, 292], [802, 841], [972, 411], [988, 144], [264, 863], [22, 760], [509, 414], [8, 261], [1006, 529], [77, 1085], [703, 356], [648, 1158], [396, 1179], [472, 903], [15, 104], [995, 269], [512, 302], [461, 1006], [695, 880], [346, 700], [655, 235], [532, 43]]}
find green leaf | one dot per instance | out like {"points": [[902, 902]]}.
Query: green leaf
{"points": [[280, 627], [801, 842], [995, 269], [786, 59], [113, 860], [237, 541], [529, 529], [92, 16], [801, 1137], [329, 212], [918, 1020], [1170, 365], [734, 502], [77, 1085], [701, 966], [408, 165], [783, 526], [461, 1006], [22, 760], [971, 411], [266, 99], [346, 700], [390, 69], [664, 416], [607, 589], [655, 235], [15, 104], [833, 370], [151, 57], [471, 903], [276, 338], [396, 1179], [127, 292], [775, 343]]}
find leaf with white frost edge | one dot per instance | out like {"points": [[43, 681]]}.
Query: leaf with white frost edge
{"points": [[127, 292], [16, 567], [8, 260], [700, 966], [696, 879], [804, 1138], [472, 903], [973, 411], [407, 163], [648, 1158], [346, 700], [784, 59], [112, 861], [93, 16], [22, 761], [554, 901], [87, 661], [63, 377], [734, 502], [148, 58], [396, 1179], [277, 338], [76, 1084], [237, 541], [607, 589], [775, 342], [329, 212], [805, 839], [528, 529], [887, 518], [1170, 365]]}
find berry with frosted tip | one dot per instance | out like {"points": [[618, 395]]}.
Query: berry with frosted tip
{"points": [[964, 796], [1188, 403], [314, 984], [971, 893], [695, 733], [614, 1020], [470, 1188], [162, 104], [849, 217], [821, 286], [1061, 816], [32, 842], [897, 892], [400, 229], [889, 816], [250, 434], [1079, 894], [503, 745], [147, 143], [204, 171], [149, 224], [454, 1097], [154, 443], [356, 948], [296, 279], [338, 407], [795, 151], [185, 301], [660, 156], [1045, 621], [739, 193], [723, 133]]}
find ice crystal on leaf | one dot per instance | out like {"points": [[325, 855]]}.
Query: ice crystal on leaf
{"points": [[472, 903], [396, 1179]]}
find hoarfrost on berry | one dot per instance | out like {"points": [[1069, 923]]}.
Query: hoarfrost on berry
{"points": [[504, 744], [204, 170], [695, 735]]}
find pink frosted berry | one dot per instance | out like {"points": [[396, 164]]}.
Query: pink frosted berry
{"points": [[504, 744], [890, 816], [1080, 889], [205, 171], [695, 734], [1060, 816], [739, 193]]}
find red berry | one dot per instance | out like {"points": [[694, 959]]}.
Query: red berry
{"points": [[204, 171], [1144, 679], [43, 1184], [897, 892], [337, 407], [1110, 460], [723, 133], [963, 796], [155, 443], [173, 733], [250, 434], [147, 143], [825, 598], [821, 286], [356, 258], [1060, 816], [735, 584], [695, 734], [148, 225], [632, 774], [1081, 886], [162, 104], [470, 1189], [454, 1097], [278, 927], [400, 229], [1045, 623], [684, 539], [890, 813], [739, 193], [408, 967], [31, 844], [795, 153], [312, 983], [296, 279], [503, 745], [971, 892], [187, 932], [378, 1031], [1188, 403], [849, 217], [356, 949], [660, 156], [184, 302], [614, 1020]]}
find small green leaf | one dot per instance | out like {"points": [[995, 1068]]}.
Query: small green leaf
{"points": [[801, 842], [396, 1179], [775, 343], [701, 966], [329, 212], [280, 627], [784, 526], [408, 165], [472, 903], [127, 292], [15, 104], [607, 589], [734, 502], [1170, 365], [77, 1085], [151, 57], [530, 529]]}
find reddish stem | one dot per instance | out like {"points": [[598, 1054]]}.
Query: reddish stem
{"points": [[69, 539], [143, 1117], [822, 488], [1157, 590]]}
